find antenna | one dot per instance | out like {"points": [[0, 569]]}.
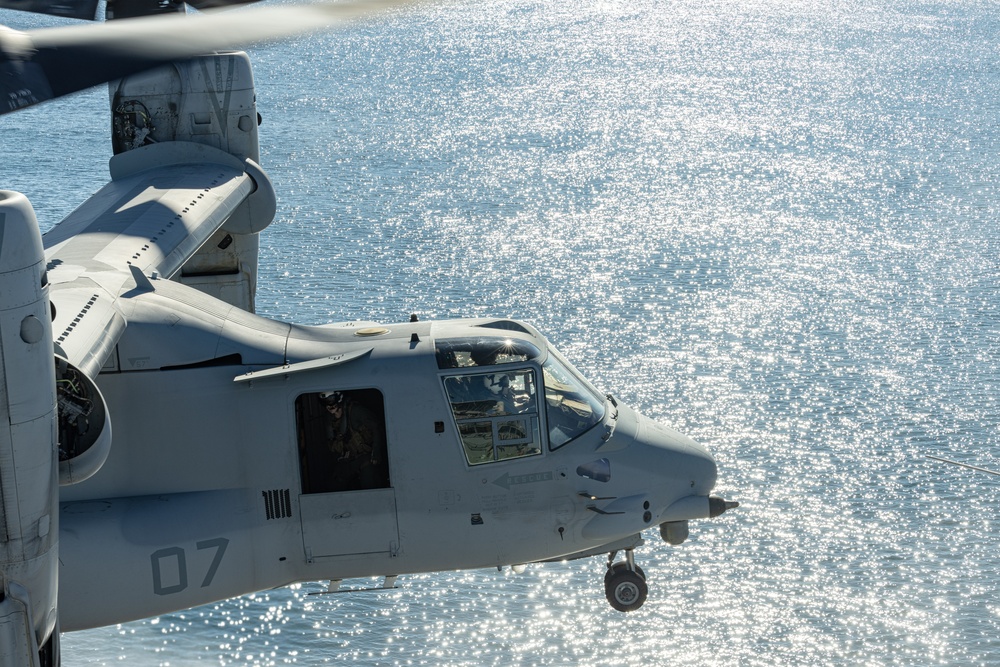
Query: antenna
{"points": [[964, 465]]}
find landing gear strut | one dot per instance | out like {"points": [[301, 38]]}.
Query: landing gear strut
{"points": [[625, 583]]}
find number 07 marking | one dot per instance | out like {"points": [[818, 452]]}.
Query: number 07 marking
{"points": [[161, 560], [220, 544]]}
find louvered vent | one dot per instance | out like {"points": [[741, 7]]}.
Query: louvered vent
{"points": [[277, 503]]}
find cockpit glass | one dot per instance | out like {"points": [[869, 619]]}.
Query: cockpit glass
{"points": [[572, 405], [496, 413], [483, 351]]}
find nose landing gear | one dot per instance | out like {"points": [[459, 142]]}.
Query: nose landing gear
{"points": [[625, 583]]}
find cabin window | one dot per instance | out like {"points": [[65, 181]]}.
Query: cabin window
{"points": [[496, 414], [342, 445]]}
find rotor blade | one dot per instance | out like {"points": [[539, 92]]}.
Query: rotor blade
{"points": [[42, 64], [74, 9], [119, 9], [129, 9], [964, 465], [212, 4]]}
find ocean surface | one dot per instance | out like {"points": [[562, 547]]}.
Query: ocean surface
{"points": [[771, 225]]}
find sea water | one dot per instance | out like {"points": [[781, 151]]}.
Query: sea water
{"points": [[771, 225]]}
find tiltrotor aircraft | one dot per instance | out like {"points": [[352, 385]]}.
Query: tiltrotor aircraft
{"points": [[164, 447]]}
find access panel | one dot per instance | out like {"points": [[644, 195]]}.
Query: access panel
{"points": [[354, 522]]}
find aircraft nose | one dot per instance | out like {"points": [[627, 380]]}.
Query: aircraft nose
{"points": [[684, 461], [654, 472], [686, 473]]}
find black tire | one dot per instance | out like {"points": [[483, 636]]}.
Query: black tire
{"points": [[626, 590], [618, 567]]}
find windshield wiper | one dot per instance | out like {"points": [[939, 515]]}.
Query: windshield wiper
{"points": [[613, 421]]}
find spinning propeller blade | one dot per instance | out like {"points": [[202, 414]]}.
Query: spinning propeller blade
{"points": [[119, 9], [128, 9], [39, 65], [73, 9]]}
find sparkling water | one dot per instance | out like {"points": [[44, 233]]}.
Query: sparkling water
{"points": [[770, 225]]}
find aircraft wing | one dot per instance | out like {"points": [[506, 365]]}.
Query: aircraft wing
{"points": [[163, 202]]}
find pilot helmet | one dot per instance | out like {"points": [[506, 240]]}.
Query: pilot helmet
{"points": [[332, 397], [483, 356], [497, 382]]}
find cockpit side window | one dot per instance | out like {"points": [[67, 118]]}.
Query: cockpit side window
{"points": [[572, 406], [496, 414]]}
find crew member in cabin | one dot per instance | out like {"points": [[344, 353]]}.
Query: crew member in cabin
{"points": [[357, 439]]}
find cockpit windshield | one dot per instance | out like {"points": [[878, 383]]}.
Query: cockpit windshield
{"points": [[572, 405]]}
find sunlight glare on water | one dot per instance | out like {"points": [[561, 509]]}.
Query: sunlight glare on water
{"points": [[769, 225]]}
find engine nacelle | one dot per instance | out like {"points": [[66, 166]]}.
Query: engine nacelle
{"points": [[207, 100], [84, 426], [28, 505]]}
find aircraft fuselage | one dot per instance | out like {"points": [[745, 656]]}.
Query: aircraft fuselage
{"points": [[222, 478]]}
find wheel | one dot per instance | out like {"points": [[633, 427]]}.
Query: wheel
{"points": [[618, 567], [626, 590]]}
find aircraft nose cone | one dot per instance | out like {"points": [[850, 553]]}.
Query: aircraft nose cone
{"points": [[686, 461]]}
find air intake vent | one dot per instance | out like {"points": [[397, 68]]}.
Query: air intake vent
{"points": [[277, 503]]}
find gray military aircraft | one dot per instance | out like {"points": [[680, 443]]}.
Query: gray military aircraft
{"points": [[249, 453]]}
